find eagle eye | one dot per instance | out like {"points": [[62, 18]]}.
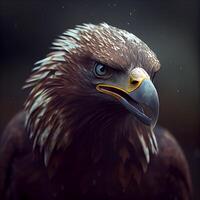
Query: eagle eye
{"points": [[101, 70]]}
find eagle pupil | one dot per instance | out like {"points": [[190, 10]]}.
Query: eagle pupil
{"points": [[100, 70]]}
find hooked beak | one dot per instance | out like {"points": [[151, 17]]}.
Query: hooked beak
{"points": [[139, 97]]}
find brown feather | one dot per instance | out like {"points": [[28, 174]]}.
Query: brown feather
{"points": [[72, 142], [54, 78]]}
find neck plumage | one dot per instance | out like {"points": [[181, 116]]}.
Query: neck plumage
{"points": [[114, 144], [101, 133]]}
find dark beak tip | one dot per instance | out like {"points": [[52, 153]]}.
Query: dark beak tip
{"points": [[146, 95]]}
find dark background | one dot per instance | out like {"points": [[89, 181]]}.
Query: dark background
{"points": [[170, 28]]}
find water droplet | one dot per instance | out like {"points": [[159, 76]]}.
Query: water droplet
{"points": [[197, 153], [99, 173], [62, 187], [54, 195], [94, 182]]}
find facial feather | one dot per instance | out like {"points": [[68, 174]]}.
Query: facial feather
{"points": [[63, 100]]}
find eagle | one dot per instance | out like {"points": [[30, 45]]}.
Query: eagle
{"points": [[88, 129]]}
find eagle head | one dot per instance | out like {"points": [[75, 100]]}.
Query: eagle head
{"points": [[95, 89]]}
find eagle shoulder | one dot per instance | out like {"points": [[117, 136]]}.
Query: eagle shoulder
{"points": [[11, 143], [168, 171]]}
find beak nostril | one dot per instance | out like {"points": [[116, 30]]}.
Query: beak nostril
{"points": [[134, 82]]}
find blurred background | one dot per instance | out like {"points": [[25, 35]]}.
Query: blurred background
{"points": [[170, 28]]}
